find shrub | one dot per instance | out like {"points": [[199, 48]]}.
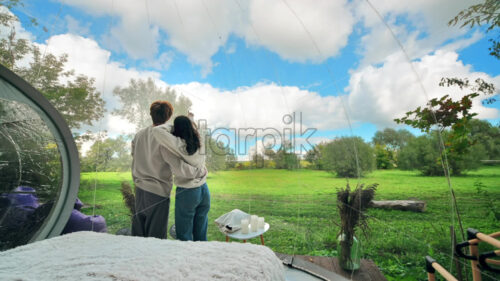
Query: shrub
{"points": [[423, 154], [339, 156], [384, 157], [313, 157], [270, 164]]}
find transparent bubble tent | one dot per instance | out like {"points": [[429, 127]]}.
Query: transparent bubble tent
{"points": [[341, 139]]}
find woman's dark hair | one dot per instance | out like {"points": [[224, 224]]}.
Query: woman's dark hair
{"points": [[184, 129]]}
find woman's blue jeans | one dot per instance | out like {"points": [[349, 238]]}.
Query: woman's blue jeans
{"points": [[191, 213]]}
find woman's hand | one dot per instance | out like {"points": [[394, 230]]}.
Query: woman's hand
{"points": [[204, 171]]}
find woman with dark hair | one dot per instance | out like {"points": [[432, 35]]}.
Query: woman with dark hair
{"points": [[192, 197]]}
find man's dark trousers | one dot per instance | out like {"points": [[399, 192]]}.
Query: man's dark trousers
{"points": [[151, 218]]}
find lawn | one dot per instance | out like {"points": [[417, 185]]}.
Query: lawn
{"points": [[301, 208]]}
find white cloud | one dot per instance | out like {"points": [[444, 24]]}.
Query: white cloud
{"points": [[162, 62], [194, 29], [75, 27], [116, 125], [380, 94], [86, 57], [277, 25], [463, 42], [293, 29], [231, 49], [258, 106], [85, 147], [375, 94], [420, 26], [258, 148], [200, 29], [262, 106], [136, 37]]}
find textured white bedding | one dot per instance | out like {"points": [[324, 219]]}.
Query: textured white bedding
{"points": [[100, 256]]}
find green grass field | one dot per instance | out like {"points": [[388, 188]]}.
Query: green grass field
{"points": [[301, 208]]}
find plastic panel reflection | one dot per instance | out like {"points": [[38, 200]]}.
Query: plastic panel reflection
{"points": [[30, 169]]}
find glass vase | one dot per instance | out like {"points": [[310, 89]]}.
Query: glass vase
{"points": [[352, 260]]}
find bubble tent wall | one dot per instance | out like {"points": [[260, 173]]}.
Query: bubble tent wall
{"points": [[68, 164], [57, 170]]}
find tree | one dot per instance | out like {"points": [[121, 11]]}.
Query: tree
{"points": [[423, 154], [269, 156], [445, 113], [488, 136], [137, 97], [121, 160], [98, 155], [285, 158], [231, 159], [28, 151], [480, 14], [384, 158], [76, 98], [392, 139], [269, 153], [344, 155], [313, 156], [257, 160], [388, 143], [108, 154], [451, 119], [12, 48], [216, 153]]}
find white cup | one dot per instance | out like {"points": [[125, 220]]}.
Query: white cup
{"points": [[254, 223], [261, 223], [244, 226]]}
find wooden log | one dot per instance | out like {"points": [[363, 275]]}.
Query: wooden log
{"points": [[403, 205]]}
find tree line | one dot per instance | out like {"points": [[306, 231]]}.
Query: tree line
{"points": [[108, 154], [400, 149]]}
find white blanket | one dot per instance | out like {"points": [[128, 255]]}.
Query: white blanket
{"points": [[232, 220], [100, 256]]}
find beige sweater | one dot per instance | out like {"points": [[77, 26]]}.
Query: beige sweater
{"points": [[177, 147], [153, 165]]}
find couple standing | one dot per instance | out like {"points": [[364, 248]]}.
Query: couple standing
{"points": [[163, 155]]}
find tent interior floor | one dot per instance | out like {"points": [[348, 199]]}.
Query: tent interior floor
{"points": [[326, 268]]}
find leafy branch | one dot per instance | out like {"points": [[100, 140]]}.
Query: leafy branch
{"points": [[446, 113], [480, 14], [485, 13]]}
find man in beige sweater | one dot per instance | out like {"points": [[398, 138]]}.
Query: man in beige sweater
{"points": [[152, 169]]}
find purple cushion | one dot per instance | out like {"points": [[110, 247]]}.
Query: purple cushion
{"points": [[78, 204], [81, 222], [17, 216], [17, 207], [27, 199]]}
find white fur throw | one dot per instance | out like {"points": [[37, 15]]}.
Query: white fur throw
{"points": [[100, 256]]}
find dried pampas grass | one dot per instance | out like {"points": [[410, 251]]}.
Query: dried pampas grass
{"points": [[128, 197], [351, 205]]}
